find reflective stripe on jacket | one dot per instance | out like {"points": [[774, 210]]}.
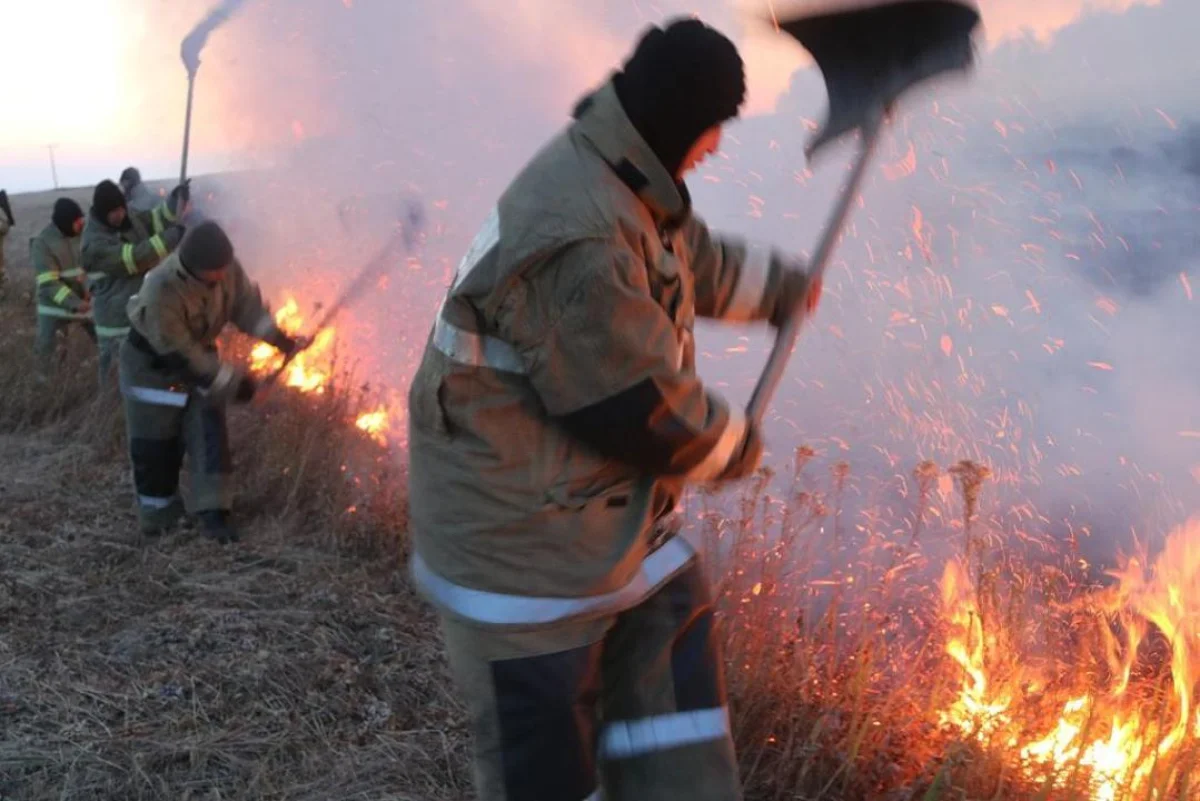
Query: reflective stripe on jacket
{"points": [[116, 260], [572, 313], [61, 285], [181, 317]]}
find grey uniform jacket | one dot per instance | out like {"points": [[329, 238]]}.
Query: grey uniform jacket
{"points": [[556, 415]]}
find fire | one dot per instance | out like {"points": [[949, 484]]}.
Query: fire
{"points": [[375, 424], [310, 371], [978, 710], [1128, 721]]}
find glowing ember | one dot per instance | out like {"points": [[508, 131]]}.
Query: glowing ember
{"points": [[1167, 119]]}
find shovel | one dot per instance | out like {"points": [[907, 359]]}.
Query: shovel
{"points": [[868, 57]]}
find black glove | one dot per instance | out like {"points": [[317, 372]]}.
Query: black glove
{"points": [[245, 390], [285, 344], [179, 197], [748, 457], [793, 288], [172, 235]]}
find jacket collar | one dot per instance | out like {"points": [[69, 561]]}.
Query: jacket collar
{"points": [[602, 121], [103, 223], [175, 265]]}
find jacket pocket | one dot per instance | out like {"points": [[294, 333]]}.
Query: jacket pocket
{"points": [[595, 531], [426, 397], [599, 494]]}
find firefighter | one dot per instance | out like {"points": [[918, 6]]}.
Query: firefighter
{"points": [[62, 296], [176, 386], [136, 194], [555, 419], [118, 248], [6, 224]]}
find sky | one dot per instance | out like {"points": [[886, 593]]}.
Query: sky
{"points": [[126, 105], [1016, 285]]}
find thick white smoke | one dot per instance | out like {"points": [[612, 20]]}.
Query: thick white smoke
{"points": [[1014, 288]]}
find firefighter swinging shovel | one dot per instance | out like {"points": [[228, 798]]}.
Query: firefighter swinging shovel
{"points": [[869, 57]]}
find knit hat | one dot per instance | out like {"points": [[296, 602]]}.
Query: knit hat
{"points": [[66, 212], [205, 247], [106, 198], [680, 81], [131, 176]]}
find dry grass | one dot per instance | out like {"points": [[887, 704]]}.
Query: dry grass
{"points": [[835, 679], [285, 667], [300, 665], [297, 664]]}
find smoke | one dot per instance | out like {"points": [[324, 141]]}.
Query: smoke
{"points": [[193, 43], [1015, 287]]}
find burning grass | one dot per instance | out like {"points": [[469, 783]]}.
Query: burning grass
{"points": [[863, 668]]}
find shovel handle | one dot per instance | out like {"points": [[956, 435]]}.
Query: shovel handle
{"points": [[187, 126], [785, 338]]}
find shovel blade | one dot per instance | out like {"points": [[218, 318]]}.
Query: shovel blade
{"points": [[870, 56]]}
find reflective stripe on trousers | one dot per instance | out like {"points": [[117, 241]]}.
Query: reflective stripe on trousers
{"points": [[500, 609], [110, 332], [157, 397], [60, 313], [151, 502], [633, 738]]}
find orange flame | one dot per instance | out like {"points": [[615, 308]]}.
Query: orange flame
{"points": [[312, 370], [1109, 732], [375, 424], [309, 371]]}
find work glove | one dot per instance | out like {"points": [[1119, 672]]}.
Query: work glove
{"points": [[288, 345], [795, 287], [177, 201], [748, 457], [245, 390], [172, 235]]}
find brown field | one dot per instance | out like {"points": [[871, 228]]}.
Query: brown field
{"points": [[299, 664]]}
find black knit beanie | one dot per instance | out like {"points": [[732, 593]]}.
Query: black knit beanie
{"points": [[66, 212], [680, 81], [205, 247], [108, 196]]}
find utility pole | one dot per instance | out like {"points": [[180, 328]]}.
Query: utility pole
{"points": [[53, 168]]}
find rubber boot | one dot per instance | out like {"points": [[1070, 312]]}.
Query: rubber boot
{"points": [[216, 526]]}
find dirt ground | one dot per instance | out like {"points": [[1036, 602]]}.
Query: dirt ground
{"points": [[277, 668]]}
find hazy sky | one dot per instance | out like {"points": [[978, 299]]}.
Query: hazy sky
{"points": [[105, 84]]}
